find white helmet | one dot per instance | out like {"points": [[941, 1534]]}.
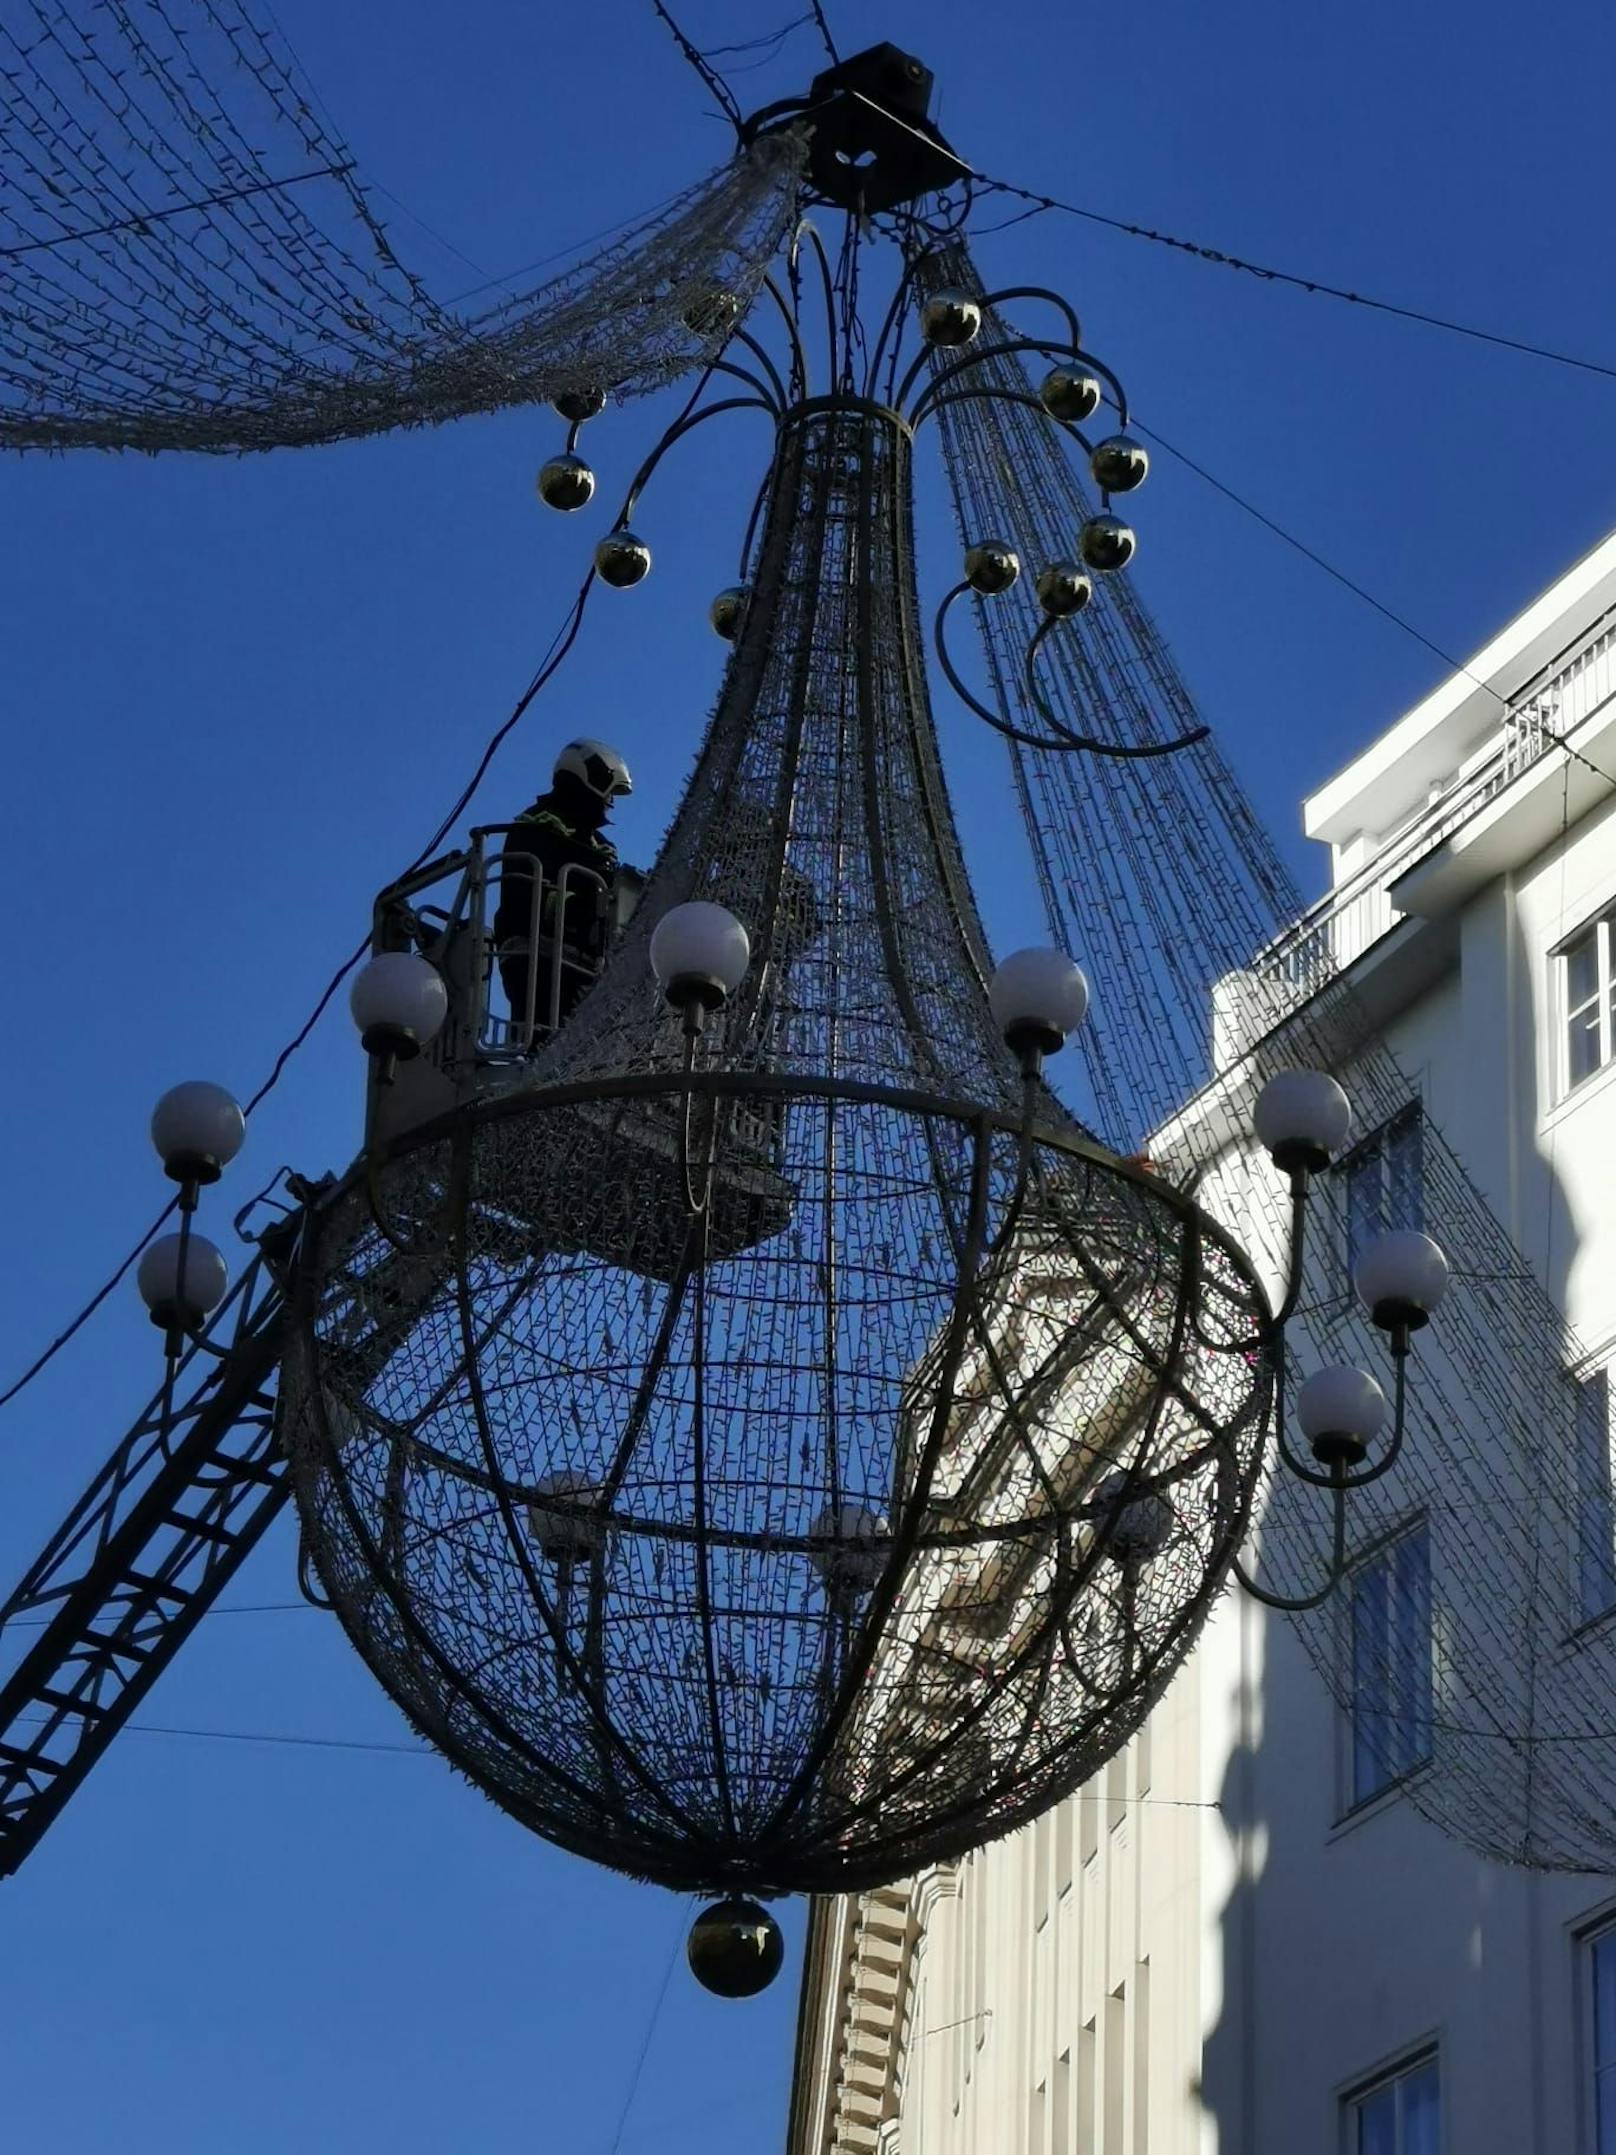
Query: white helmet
{"points": [[596, 766]]}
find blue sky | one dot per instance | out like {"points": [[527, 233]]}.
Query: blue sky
{"points": [[239, 695]]}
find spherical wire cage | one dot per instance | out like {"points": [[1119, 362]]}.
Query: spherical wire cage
{"points": [[624, 1528], [777, 1459]]}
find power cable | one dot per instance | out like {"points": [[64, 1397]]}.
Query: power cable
{"points": [[421, 1750], [313, 91], [770, 40], [561, 644], [1341, 577], [1315, 285], [638, 2068], [823, 28], [708, 73], [50, 1353], [238, 1735], [562, 254], [431, 231], [140, 222], [225, 1608]]}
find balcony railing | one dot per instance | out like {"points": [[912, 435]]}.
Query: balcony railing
{"points": [[1348, 919]]}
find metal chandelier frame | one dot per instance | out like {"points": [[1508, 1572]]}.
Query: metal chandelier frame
{"points": [[198, 1479]]}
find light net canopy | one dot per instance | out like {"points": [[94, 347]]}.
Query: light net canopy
{"points": [[790, 1536], [1210, 975], [189, 261]]}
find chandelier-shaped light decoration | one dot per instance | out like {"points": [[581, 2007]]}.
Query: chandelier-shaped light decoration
{"points": [[761, 1437]]}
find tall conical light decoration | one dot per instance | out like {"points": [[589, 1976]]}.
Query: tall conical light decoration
{"points": [[768, 1444]]}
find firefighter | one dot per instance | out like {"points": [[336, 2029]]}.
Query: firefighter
{"points": [[562, 828]]}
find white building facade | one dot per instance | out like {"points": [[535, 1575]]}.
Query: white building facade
{"points": [[1241, 1938]]}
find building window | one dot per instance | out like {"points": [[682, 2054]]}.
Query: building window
{"points": [[1385, 1178], [1400, 2114], [1596, 1502], [1588, 994], [1602, 1998], [1389, 1615]]}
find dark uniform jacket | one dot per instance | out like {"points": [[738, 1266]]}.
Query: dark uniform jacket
{"points": [[551, 831]]}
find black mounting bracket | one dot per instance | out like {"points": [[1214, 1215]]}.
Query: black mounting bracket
{"points": [[873, 145]]}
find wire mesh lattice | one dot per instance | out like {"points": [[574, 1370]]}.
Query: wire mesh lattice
{"points": [[580, 1509], [791, 1538], [188, 261]]}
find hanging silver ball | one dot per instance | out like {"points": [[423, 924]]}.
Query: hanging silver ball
{"points": [[950, 317], [1135, 1530], [713, 313], [991, 566], [735, 1948], [1070, 394], [622, 560], [566, 482], [1106, 544], [727, 613], [577, 405], [1063, 589], [1120, 464]]}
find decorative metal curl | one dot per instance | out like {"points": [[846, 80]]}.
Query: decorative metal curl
{"points": [[1061, 736], [1064, 736], [1006, 348], [1134, 750]]}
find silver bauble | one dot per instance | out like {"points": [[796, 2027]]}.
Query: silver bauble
{"points": [[1070, 394], [622, 560], [727, 613], [950, 317], [1120, 464], [566, 482], [735, 1948], [559, 1518], [713, 313], [1141, 1529], [1063, 589], [991, 566], [1106, 544], [577, 405]]}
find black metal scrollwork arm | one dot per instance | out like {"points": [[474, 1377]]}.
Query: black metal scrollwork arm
{"points": [[1063, 736], [1136, 751], [1060, 736], [1295, 1604], [677, 432], [1008, 347]]}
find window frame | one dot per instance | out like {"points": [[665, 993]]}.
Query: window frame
{"points": [[1602, 926], [1374, 1147], [1586, 1939], [1403, 2066], [1382, 1552], [1595, 1471]]}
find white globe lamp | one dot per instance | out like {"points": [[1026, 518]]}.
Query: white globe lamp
{"points": [[1302, 1118], [1401, 1277], [399, 1003], [182, 1280], [1037, 997], [850, 1553], [1143, 1526], [197, 1129], [699, 954], [1339, 1411]]}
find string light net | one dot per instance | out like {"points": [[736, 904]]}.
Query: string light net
{"points": [[188, 261], [794, 1539], [1210, 974]]}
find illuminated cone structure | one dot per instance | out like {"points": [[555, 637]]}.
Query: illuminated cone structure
{"points": [[781, 1470]]}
